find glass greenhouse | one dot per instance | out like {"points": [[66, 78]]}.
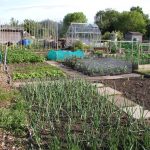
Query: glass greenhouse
{"points": [[89, 34]]}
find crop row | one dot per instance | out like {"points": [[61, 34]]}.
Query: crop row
{"points": [[32, 71], [100, 66], [22, 56], [70, 114]]}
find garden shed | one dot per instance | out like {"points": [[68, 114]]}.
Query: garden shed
{"points": [[10, 34], [89, 34], [134, 36]]}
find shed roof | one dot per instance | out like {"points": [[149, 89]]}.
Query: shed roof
{"points": [[10, 28], [134, 33]]}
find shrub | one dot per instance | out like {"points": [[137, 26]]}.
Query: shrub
{"points": [[78, 45]]}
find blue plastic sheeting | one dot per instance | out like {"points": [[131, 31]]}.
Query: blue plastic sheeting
{"points": [[60, 55], [26, 42]]}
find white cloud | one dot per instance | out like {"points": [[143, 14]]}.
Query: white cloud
{"points": [[57, 9]]}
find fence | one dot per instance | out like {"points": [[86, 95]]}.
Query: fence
{"points": [[137, 52], [29, 34]]}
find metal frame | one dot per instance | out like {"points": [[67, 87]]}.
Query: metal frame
{"points": [[89, 34]]}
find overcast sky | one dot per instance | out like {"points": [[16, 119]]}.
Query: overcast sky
{"points": [[57, 9]]}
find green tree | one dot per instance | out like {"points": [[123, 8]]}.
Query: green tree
{"points": [[78, 17], [107, 20], [131, 21], [31, 27], [106, 36], [147, 20], [137, 8], [14, 22]]}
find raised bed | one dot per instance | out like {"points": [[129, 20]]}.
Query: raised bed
{"points": [[19, 55], [100, 66], [29, 71]]}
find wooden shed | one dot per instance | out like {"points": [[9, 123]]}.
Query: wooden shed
{"points": [[10, 34], [134, 36]]}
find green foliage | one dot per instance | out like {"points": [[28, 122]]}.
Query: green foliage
{"points": [[138, 9], [6, 95], [119, 35], [107, 20], [71, 62], [78, 45], [45, 28], [131, 21], [99, 67], [106, 36], [30, 26], [14, 22], [78, 17], [111, 20], [62, 117], [23, 55], [99, 53], [39, 70], [14, 117]]}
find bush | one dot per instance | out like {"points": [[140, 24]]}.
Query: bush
{"points": [[98, 53], [71, 62], [78, 45]]}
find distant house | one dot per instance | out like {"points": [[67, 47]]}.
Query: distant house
{"points": [[10, 35], [134, 36]]}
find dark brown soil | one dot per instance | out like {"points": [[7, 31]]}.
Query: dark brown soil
{"points": [[136, 89]]}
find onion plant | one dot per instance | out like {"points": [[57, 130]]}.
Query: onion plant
{"points": [[70, 114]]}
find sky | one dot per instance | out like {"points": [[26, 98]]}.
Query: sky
{"points": [[57, 9]]}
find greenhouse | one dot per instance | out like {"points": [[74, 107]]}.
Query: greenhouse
{"points": [[89, 34]]}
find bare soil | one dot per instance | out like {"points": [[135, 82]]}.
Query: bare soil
{"points": [[136, 89]]}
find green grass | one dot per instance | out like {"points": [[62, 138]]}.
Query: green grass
{"points": [[6, 95], [70, 114], [37, 70], [13, 117]]}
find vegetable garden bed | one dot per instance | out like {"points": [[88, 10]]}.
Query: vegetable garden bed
{"points": [[136, 89], [100, 66], [34, 70], [22, 56], [70, 114]]}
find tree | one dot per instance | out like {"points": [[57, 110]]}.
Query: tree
{"points": [[131, 21], [137, 8], [31, 27], [147, 20], [14, 22], [78, 17], [107, 20]]}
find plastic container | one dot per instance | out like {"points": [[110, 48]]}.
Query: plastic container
{"points": [[26, 42]]}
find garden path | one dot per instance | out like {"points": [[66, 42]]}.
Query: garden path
{"points": [[116, 97]]}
